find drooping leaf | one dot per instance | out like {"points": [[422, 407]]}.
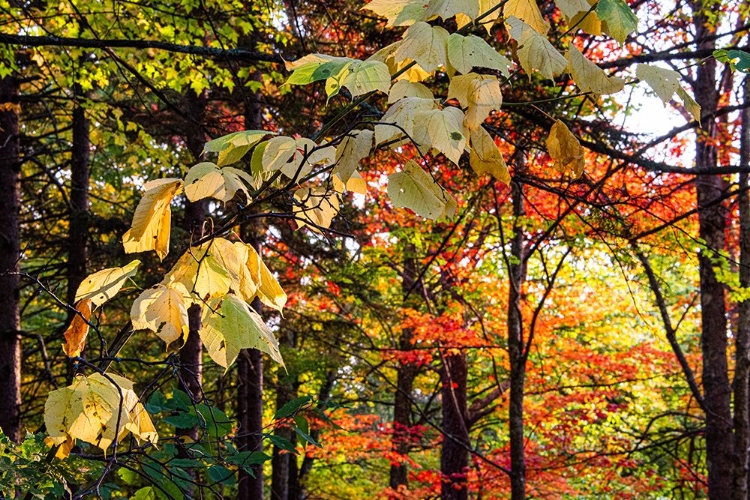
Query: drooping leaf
{"points": [[528, 12], [200, 272], [467, 52], [399, 118], [75, 335], [415, 189], [565, 149], [269, 291], [355, 146], [355, 184], [450, 8], [488, 20], [405, 68], [589, 77], [580, 14], [152, 218], [163, 310], [666, 83], [230, 325], [315, 207], [207, 180], [535, 52], [398, 12], [479, 93], [103, 285], [618, 20], [363, 77], [90, 408], [232, 147], [441, 129], [485, 157], [295, 158], [425, 44]]}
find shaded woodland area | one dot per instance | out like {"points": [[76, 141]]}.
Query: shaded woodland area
{"points": [[468, 249]]}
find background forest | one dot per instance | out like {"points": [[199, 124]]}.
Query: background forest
{"points": [[400, 249]]}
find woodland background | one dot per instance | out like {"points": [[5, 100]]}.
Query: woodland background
{"points": [[560, 337]]}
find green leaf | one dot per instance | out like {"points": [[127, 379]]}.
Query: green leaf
{"points": [[314, 67], [156, 403], [220, 474], [292, 407], [216, 421], [181, 420], [425, 44], [282, 443], [737, 59], [618, 20], [232, 147], [147, 493], [248, 458], [415, 189], [467, 52], [367, 76]]}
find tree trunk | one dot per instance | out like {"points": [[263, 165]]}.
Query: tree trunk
{"points": [[454, 460], [79, 202], [516, 276], [283, 463], [407, 372], [742, 340], [10, 252], [712, 223]]}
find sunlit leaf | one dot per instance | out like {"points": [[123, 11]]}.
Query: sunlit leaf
{"points": [[353, 148], [666, 83], [405, 88], [589, 77], [269, 292], [398, 12], [449, 8], [618, 20], [230, 325], [415, 189], [75, 335], [162, 309], [233, 147], [485, 157], [425, 44], [528, 12], [207, 180], [535, 52], [399, 118], [565, 149], [103, 285], [152, 220], [200, 272], [467, 52], [316, 207], [479, 93], [442, 129]]}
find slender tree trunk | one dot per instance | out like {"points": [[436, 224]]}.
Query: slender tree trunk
{"points": [[516, 275], [79, 201], [283, 474], [407, 372], [10, 252], [324, 394], [454, 459], [742, 340], [712, 223], [250, 361]]}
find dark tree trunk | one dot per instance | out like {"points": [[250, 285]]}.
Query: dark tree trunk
{"points": [[10, 251], [712, 222], [517, 276], [407, 372], [742, 340], [250, 362], [454, 457], [283, 463], [79, 202]]}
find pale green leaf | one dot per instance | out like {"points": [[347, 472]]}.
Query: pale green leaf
{"points": [[441, 129], [402, 115], [467, 52], [103, 285], [405, 88], [233, 147], [535, 52], [618, 20], [589, 77], [415, 189], [528, 12], [398, 12], [666, 83], [353, 148], [449, 8], [367, 76], [485, 157], [425, 44]]}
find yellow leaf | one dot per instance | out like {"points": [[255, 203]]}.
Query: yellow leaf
{"points": [[398, 12], [528, 12], [425, 44], [75, 335], [467, 52], [535, 52], [589, 77], [579, 14], [162, 309], [480, 93], [485, 157], [404, 67], [565, 149], [230, 325], [367, 76], [295, 158], [441, 129], [415, 189], [450, 8], [232, 147], [103, 285], [206, 180], [201, 273], [666, 83], [269, 291], [315, 208], [152, 219], [246, 287], [90, 408], [401, 116], [355, 146], [405, 88]]}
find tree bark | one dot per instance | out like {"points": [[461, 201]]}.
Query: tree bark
{"points": [[712, 223], [742, 339], [454, 460], [10, 253], [79, 202], [407, 372], [324, 394], [516, 276], [283, 463]]}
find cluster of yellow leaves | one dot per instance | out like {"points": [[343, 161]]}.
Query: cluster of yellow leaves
{"points": [[90, 409]]}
